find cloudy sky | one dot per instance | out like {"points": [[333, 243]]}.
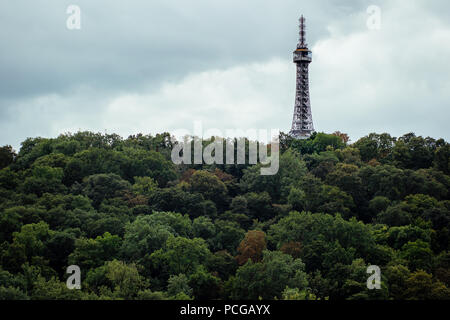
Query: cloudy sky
{"points": [[155, 66]]}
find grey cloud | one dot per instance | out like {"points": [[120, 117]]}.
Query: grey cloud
{"points": [[54, 79], [124, 44]]}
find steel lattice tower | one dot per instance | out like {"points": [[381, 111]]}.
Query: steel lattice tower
{"points": [[302, 123]]}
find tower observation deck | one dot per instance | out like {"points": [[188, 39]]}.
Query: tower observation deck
{"points": [[302, 123]]}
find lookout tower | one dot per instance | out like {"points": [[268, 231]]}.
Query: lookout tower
{"points": [[302, 123]]}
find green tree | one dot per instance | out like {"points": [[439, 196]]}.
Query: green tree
{"points": [[7, 156], [209, 186], [53, 289], [102, 186], [204, 228], [442, 158], [28, 245], [420, 286], [259, 205], [91, 253], [413, 152], [268, 279], [144, 185], [12, 293], [125, 278], [228, 236], [204, 285], [180, 255], [9, 179], [297, 294], [10, 221], [322, 140], [376, 146], [418, 254], [59, 246], [149, 233], [397, 276], [44, 179], [322, 230], [292, 169], [179, 284], [222, 264], [378, 204]]}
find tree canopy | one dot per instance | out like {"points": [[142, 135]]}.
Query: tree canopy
{"points": [[141, 227]]}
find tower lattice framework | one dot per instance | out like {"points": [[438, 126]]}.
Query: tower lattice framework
{"points": [[302, 123]]}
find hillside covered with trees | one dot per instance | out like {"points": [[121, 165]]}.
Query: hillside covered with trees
{"points": [[140, 227]]}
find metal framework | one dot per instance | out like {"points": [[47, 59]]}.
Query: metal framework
{"points": [[302, 123]]}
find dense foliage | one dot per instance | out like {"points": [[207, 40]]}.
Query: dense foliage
{"points": [[140, 227]]}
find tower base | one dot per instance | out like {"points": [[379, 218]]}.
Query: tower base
{"points": [[300, 134]]}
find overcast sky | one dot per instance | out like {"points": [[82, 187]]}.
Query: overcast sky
{"points": [[155, 66]]}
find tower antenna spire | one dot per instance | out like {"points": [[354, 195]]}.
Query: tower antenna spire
{"points": [[302, 42]]}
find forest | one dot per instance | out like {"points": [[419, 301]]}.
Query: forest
{"points": [[142, 228]]}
